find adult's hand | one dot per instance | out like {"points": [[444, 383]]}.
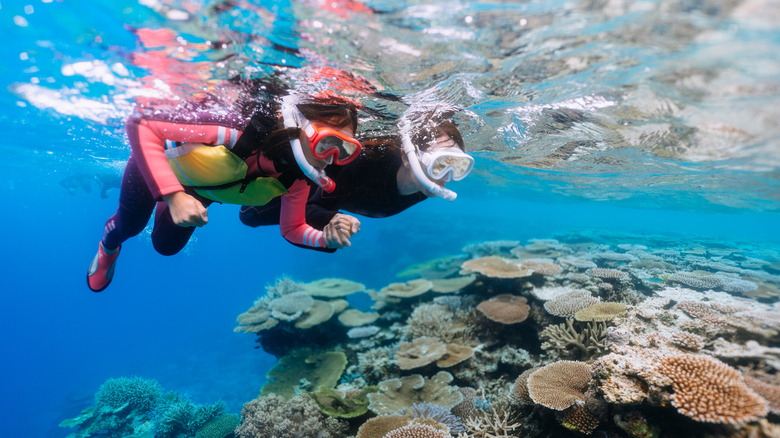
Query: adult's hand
{"points": [[338, 231], [186, 210]]}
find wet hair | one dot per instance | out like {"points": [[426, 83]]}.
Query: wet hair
{"points": [[425, 138]]}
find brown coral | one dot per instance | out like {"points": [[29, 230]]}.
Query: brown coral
{"points": [[601, 312], [450, 285], [770, 392], [496, 267], [559, 384], [420, 352], [519, 392], [418, 430], [505, 309], [578, 419], [455, 354], [378, 427], [689, 341], [707, 390], [356, 318]]}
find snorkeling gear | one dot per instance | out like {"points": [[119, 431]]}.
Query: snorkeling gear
{"points": [[440, 166], [447, 164], [323, 141], [101, 270]]}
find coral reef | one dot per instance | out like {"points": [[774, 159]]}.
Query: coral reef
{"points": [[272, 416], [635, 311]]}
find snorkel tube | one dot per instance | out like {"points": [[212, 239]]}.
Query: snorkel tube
{"points": [[290, 117], [414, 163]]}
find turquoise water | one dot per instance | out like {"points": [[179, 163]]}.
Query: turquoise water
{"points": [[624, 122]]}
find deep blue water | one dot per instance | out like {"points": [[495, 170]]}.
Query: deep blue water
{"points": [[172, 318]]}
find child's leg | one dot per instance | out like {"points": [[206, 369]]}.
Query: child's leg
{"points": [[167, 237], [135, 208]]}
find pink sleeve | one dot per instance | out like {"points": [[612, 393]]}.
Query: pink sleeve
{"points": [[292, 221], [147, 140]]}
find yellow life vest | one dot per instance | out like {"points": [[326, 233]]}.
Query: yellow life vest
{"points": [[220, 175]]}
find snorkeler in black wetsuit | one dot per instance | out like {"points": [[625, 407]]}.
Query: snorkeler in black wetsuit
{"points": [[380, 182]]}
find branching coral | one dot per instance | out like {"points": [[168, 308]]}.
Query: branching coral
{"points": [[707, 390], [273, 417], [138, 393], [565, 340]]}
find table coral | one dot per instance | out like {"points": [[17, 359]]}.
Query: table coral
{"points": [[505, 309], [420, 352], [559, 384], [401, 393], [601, 312], [496, 267], [569, 304]]}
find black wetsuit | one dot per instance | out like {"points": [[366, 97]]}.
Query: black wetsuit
{"points": [[366, 186]]}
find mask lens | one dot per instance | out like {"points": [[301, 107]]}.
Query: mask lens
{"points": [[459, 166], [326, 144]]}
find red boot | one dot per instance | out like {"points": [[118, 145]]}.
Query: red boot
{"points": [[101, 271]]}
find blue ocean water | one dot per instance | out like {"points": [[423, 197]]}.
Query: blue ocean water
{"points": [[614, 121]]}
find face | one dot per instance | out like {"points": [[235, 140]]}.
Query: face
{"points": [[319, 163]]}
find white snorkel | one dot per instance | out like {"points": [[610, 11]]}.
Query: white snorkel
{"points": [[412, 157], [290, 115]]}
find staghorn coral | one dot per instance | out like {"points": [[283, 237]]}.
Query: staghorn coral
{"points": [[569, 304], [434, 320], [505, 309], [177, 415], [272, 416], [565, 340], [398, 394], [560, 384], [707, 390], [135, 392], [420, 352]]}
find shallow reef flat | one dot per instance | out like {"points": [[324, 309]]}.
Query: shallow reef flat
{"points": [[582, 334]]}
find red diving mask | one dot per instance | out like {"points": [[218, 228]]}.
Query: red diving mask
{"points": [[325, 141]]}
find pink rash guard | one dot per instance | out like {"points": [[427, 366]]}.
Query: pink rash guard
{"points": [[147, 139]]}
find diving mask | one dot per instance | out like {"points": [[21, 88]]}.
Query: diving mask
{"points": [[325, 141], [447, 164]]}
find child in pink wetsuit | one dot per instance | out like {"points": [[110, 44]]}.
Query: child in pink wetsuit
{"points": [[265, 146]]}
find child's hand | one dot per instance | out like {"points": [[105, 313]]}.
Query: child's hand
{"points": [[338, 231], [186, 211]]}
